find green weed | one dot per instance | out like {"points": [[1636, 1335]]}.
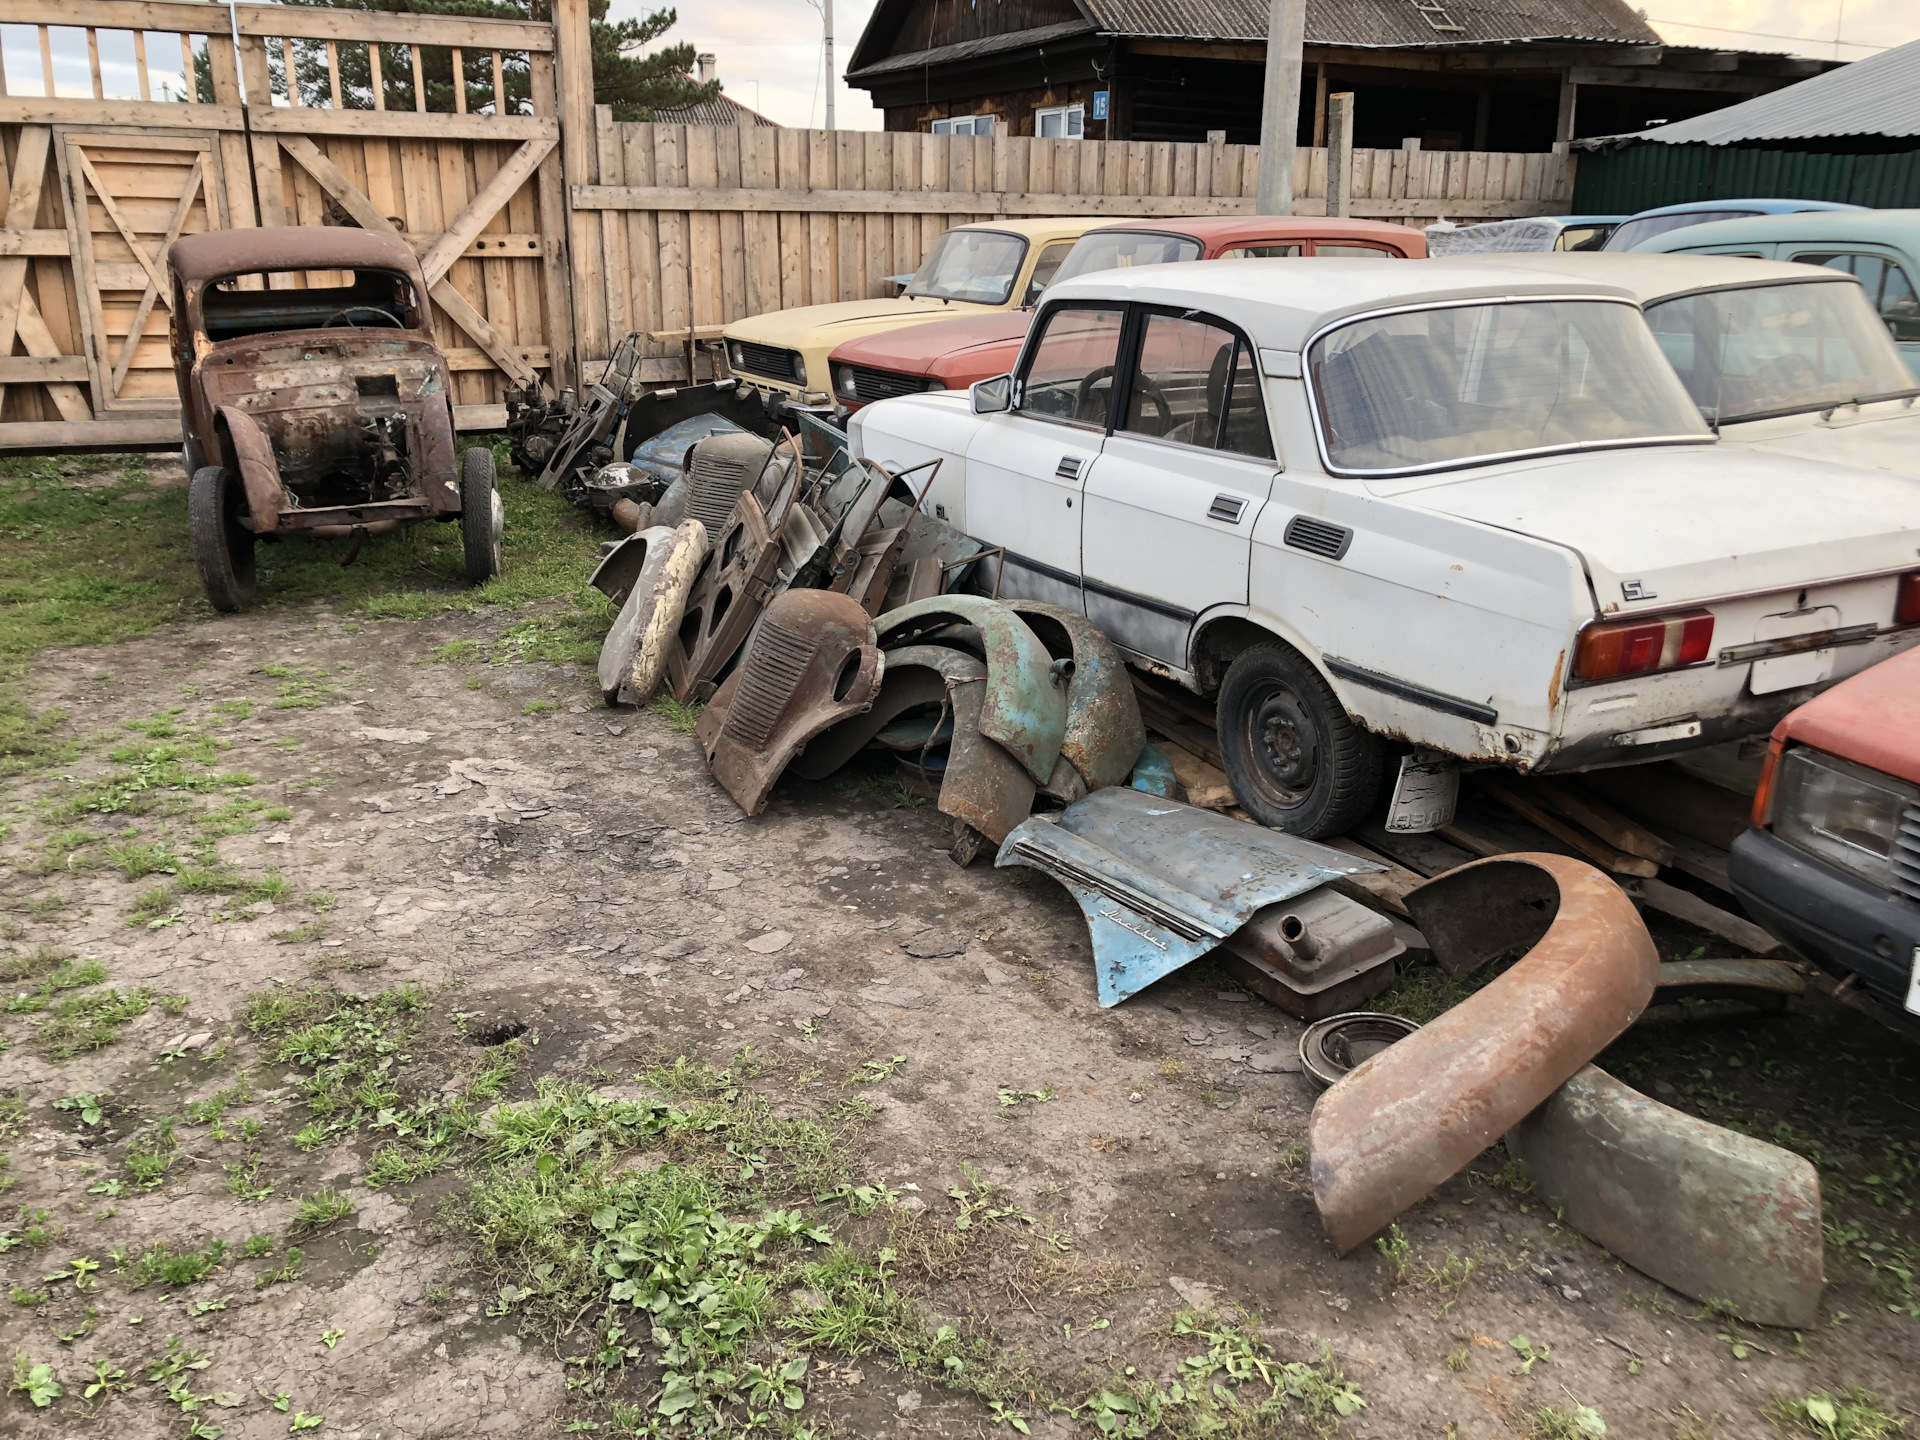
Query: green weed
{"points": [[318, 1211], [1851, 1414], [680, 718]]}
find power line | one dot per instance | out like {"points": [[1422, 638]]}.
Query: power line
{"points": [[1767, 34]]}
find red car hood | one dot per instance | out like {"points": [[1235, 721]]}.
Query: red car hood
{"points": [[1867, 719], [916, 349]]}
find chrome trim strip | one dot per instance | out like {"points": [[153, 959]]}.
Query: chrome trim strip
{"points": [[1407, 690]]}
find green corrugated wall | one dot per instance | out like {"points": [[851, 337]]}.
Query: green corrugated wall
{"points": [[1641, 176]]}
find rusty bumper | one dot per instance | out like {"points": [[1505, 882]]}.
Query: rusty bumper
{"points": [[1420, 1111], [1711, 1213]]}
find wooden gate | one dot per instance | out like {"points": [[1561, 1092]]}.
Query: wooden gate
{"points": [[441, 129]]}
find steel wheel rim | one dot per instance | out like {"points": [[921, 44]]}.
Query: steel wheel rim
{"points": [[1283, 742]]}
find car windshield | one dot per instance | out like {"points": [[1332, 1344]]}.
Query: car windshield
{"points": [[978, 266], [1638, 232], [1772, 349], [1121, 249], [1430, 388], [266, 301]]}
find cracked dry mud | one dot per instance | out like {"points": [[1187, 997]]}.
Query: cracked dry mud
{"points": [[577, 877]]}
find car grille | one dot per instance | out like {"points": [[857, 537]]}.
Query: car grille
{"points": [[1906, 854], [768, 360], [772, 670], [870, 385]]}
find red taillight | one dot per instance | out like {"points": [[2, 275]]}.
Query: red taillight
{"points": [[1638, 647], [1906, 599]]}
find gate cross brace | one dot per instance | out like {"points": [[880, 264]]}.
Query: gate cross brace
{"points": [[18, 314], [449, 246]]}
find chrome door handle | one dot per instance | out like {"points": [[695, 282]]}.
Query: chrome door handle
{"points": [[1068, 468], [1227, 508]]}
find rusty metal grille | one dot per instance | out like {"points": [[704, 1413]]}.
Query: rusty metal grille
{"points": [[774, 667], [715, 485]]}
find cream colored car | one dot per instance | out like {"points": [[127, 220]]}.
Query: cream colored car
{"points": [[971, 270]]}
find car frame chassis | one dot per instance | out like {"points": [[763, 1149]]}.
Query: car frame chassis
{"points": [[320, 409]]}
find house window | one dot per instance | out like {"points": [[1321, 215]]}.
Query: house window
{"points": [[1061, 122], [965, 125]]}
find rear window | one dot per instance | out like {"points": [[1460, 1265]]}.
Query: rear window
{"points": [[1638, 232], [1122, 249], [266, 301], [1425, 389]]}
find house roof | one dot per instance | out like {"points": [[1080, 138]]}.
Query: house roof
{"points": [[1876, 96], [1351, 23], [721, 110]]}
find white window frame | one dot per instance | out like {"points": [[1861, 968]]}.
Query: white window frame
{"points": [[1073, 121], [975, 125]]}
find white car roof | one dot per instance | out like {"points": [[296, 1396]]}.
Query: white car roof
{"points": [[1281, 303], [1652, 277]]}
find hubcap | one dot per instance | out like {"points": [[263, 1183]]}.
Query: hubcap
{"points": [[1284, 744]]}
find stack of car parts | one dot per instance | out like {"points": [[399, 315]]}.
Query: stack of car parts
{"points": [[1706, 1211]]}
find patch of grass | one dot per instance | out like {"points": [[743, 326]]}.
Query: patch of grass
{"points": [[163, 1264], [1851, 1414], [91, 1020], [236, 817], [304, 933], [455, 652], [318, 1211], [232, 712], [136, 861], [1572, 1421], [894, 791], [148, 777], [680, 718]]}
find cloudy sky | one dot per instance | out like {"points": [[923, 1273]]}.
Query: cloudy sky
{"points": [[770, 51]]}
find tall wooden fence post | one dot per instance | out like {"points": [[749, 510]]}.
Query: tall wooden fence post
{"points": [[1340, 153], [573, 67]]}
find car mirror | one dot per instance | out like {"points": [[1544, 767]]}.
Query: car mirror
{"points": [[992, 397]]}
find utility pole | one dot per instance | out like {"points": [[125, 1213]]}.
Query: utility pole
{"points": [[826, 10], [1280, 105]]}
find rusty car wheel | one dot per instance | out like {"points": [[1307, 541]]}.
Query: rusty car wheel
{"points": [[482, 519], [1295, 758], [222, 544]]}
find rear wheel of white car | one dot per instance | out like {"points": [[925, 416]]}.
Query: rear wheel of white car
{"points": [[1294, 756], [222, 545], [482, 518]]}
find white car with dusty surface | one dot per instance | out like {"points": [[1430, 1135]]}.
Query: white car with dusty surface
{"points": [[1463, 507]]}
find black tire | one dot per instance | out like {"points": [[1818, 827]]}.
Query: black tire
{"points": [[1295, 758], [222, 545], [480, 519]]}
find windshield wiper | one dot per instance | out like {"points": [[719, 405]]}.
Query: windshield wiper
{"points": [[1808, 407]]}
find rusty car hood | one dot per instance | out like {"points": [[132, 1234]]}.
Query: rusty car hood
{"points": [[299, 371]]}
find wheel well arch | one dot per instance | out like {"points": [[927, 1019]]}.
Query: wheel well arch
{"points": [[1220, 640]]}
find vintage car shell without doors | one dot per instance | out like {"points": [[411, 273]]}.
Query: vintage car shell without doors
{"points": [[1445, 605], [953, 354], [326, 408]]}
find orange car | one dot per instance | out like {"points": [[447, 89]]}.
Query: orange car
{"points": [[953, 354]]}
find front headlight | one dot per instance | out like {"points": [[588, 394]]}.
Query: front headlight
{"points": [[936, 385], [1843, 813], [799, 370], [843, 382], [736, 355]]}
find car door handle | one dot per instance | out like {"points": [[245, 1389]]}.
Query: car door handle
{"points": [[1227, 508], [1068, 468]]}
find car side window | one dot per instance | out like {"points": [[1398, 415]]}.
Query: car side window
{"points": [[1271, 251], [1328, 251], [1044, 268], [1069, 371], [1889, 289], [1196, 384]]}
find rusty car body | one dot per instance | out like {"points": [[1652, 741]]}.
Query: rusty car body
{"points": [[1418, 1112], [315, 400]]}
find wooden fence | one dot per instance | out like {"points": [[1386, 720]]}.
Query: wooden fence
{"points": [[696, 226], [443, 130], [547, 231]]}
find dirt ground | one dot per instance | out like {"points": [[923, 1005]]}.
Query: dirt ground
{"points": [[570, 877]]}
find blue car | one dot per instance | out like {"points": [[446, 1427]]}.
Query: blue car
{"points": [[1636, 230], [1881, 248]]}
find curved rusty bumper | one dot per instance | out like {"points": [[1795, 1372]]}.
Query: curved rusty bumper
{"points": [[1421, 1110]]}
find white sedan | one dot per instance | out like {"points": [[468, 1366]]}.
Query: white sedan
{"points": [[1465, 507]]}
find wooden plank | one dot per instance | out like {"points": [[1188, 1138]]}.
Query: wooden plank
{"points": [[389, 123], [1426, 854], [1507, 793], [40, 369], [466, 227], [703, 230], [1388, 888], [137, 327], [1685, 905], [469, 418], [821, 268], [804, 200], [317, 24], [557, 318], [38, 110], [157, 433], [732, 298], [419, 80], [166, 16], [670, 165], [1674, 799], [23, 206], [1602, 819], [617, 264], [537, 356], [642, 231], [1205, 783], [269, 185], [39, 340]]}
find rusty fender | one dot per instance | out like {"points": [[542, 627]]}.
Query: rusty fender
{"points": [[645, 635], [1419, 1111], [1709, 1212], [1105, 734], [253, 453]]}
